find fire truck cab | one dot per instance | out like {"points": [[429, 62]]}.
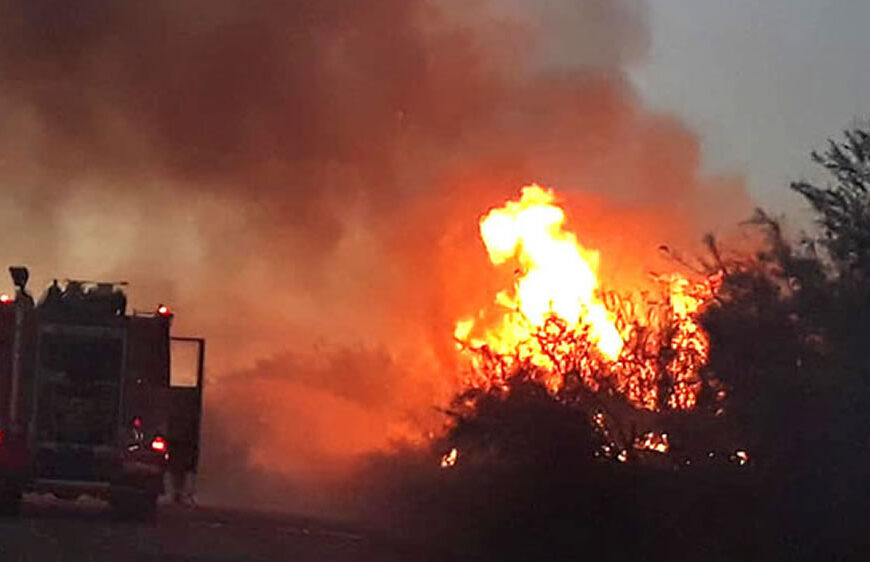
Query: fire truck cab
{"points": [[87, 404]]}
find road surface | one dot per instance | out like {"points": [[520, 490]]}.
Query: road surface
{"points": [[87, 531]]}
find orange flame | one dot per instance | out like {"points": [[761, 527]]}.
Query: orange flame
{"points": [[557, 319], [652, 441], [560, 276], [449, 459]]}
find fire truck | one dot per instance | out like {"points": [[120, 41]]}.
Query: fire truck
{"points": [[88, 404]]}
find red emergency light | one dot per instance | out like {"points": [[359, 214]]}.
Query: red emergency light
{"points": [[163, 310], [6, 299], [159, 444]]}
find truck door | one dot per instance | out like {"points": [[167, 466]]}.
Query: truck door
{"points": [[187, 356]]}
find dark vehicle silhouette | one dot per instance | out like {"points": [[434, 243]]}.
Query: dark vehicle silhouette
{"points": [[87, 404]]}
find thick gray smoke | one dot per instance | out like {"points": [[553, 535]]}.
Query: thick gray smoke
{"points": [[301, 181]]}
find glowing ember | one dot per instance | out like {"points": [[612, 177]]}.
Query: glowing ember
{"points": [[651, 441], [449, 459], [558, 323]]}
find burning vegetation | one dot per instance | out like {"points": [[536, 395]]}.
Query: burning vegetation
{"points": [[560, 326], [772, 350]]}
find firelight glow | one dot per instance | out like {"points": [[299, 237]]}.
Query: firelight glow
{"points": [[558, 278], [555, 318]]}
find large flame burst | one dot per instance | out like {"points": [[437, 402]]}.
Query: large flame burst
{"points": [[558, 323]]}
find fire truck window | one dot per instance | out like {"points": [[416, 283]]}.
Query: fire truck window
{"points": [[184, 363]]}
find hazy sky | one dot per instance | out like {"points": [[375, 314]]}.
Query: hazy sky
{"points": [[762, 82]]}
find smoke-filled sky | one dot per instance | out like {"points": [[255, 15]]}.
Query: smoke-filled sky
{"points": [[302, 180], [762, 83]]}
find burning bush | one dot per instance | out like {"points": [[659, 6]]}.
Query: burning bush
{"points": [[516, 477], [525, 483], [564, 381], [560, 325]]}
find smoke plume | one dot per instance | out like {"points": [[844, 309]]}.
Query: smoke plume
{"points": [[302, 182]]}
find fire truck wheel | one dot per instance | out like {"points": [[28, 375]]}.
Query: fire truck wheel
{"points": [[139, 505], [10, 500]]}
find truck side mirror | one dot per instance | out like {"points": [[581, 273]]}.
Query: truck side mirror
{"points": [[20, 276]]}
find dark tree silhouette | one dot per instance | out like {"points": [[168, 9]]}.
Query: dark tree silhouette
{"points": [[790, 341], [843, 207]]}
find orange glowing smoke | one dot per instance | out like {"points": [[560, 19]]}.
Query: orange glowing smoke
{"points": [[558, 322]]}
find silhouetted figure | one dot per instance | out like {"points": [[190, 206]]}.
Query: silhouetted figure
{"points": [[183, 450], [52, 296], [74, 296], [182, 465]]}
